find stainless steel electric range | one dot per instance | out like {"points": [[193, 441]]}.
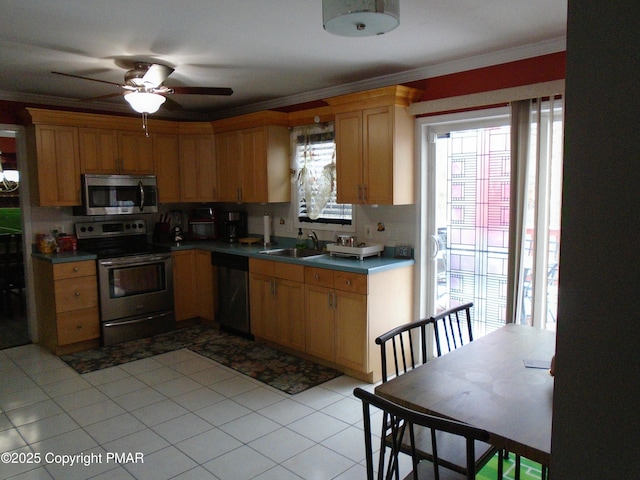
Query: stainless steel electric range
{"points": [[135, 280]]}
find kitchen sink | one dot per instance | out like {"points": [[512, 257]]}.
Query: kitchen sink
{"points": [[293, 252]]}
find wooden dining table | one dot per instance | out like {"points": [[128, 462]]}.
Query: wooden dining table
{"points": [[485, 383]]}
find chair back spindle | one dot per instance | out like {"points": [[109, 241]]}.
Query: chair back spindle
{"points": [[453, 326]]}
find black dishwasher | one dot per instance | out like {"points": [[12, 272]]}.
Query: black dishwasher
{"points": [[233, 291]]}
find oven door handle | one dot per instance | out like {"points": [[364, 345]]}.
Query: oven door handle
{"points": [[134, 261]]}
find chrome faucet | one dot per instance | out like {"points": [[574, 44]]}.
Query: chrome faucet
{"points": [[314, 238]]}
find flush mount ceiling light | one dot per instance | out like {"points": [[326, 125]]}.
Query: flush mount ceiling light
{"points": [[144, 102], [360, 18]]}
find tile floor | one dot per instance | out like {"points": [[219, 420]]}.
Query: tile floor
{"points": [[186, 416]]}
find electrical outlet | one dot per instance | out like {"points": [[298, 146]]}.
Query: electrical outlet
{"points": [[368, 231]]}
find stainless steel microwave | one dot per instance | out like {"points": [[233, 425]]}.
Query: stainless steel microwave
{"points": [[119, 194]]}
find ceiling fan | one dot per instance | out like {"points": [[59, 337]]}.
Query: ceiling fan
{"points": [[143, 88]]}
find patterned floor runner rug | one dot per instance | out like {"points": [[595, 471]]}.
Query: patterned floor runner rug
{"points": [[285, 372]]}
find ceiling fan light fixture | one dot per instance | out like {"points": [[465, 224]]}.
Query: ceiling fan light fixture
{"points": [[145, 102], [360, 18]]}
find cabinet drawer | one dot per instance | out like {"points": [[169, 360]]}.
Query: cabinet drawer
{"points": [[350, 282], [74, 269], [76, 293], [318, 276], [263, 267], [78, 326], [289, 271]]}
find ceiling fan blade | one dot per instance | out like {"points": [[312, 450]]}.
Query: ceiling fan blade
{"points": [[202, 91], [156, 74], [102, 97], [87, 78]]}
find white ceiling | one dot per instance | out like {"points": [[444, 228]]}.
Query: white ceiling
{"points": [[272, 53]]}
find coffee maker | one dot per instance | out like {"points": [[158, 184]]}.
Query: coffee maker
{"points": [[234, 226]]}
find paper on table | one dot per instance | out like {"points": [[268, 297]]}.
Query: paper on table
{"points": [[532, 363]]}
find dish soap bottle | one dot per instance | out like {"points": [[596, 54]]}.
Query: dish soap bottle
{"points": [[301, 242]]}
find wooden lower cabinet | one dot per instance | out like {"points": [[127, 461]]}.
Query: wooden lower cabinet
{"points": [[193, 285], [336, 317], [67, 305], [276, 296], [329, 316]]}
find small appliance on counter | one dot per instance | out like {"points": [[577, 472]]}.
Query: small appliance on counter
{"points": [[234, 226], [203, 224]]}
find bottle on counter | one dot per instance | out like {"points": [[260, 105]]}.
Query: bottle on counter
{"points": [[301, 242]]}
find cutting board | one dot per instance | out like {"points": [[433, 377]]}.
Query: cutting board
{"points": [[250, 240]]}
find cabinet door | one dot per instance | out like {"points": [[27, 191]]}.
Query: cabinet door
{"points": [[184, 285], [136, 153], [253, 164], [349, 178], [198, 168], [262, 301], [319, 322], [351, 330], [98, 151], [289, 312], [58, 166], [227, 157], [167, 167], [205, 284], [377, 156]]}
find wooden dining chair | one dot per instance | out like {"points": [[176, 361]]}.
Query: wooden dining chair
{"points": [[452, 328], [404, 423], [402, 349]]}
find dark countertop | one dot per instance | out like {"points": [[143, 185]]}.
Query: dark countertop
{"points": [[366, 266]]}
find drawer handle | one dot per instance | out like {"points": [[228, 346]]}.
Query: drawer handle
{"points": [[77, 294], [316, 276], [348, 282], [79, 327], [76, 269]]}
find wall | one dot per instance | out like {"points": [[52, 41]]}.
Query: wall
{"points": [[398, 223], [596, 422]]}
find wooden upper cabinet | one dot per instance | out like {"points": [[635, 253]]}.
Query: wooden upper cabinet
{"points": [[106, 151], [229, 173], [55, 166], [253, 163], [198, 172], [374, 147], [98, 150], [166, 166], [135, 152], [349, 166]]}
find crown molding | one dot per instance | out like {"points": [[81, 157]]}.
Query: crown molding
{"points": [[455, 66]]}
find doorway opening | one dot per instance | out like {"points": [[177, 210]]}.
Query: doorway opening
{"points": [[14, 328]]}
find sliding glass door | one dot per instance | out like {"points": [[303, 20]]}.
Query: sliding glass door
{"points": [[465, 219]]}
